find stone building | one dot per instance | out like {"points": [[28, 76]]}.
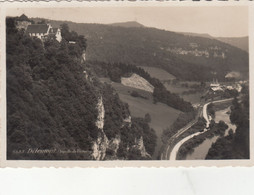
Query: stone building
{"points": [[43, 31]]}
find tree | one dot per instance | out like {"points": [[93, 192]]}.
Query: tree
{"points": [[65, 31], [42, 22], [148, 118]]}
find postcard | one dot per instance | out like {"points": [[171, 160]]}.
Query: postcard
{"points": [[115, 84]]}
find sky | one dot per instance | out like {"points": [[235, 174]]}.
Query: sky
{"points": [[216, 21]]}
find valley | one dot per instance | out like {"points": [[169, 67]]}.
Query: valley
{"points": [[121, 91], [185, 56]]}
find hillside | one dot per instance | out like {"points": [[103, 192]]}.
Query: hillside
{"points": [[186, 57], [204, 35], [58, 110], [240, 42]]}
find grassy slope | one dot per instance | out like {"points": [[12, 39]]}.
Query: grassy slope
{"points": [[162, 75], [193, 98], [162, 115]]}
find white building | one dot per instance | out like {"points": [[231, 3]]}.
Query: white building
{"points": [[57, 33], [44, 30]]}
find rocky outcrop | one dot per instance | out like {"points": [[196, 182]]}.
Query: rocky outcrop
{"points": [[101, 114], [139, 144], [103, 145], [100, 145], [84, 56], [114, 144]]}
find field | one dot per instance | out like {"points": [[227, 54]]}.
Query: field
{"points": [[175, 88], [178, 89], [162, 115], [158, 73], [192, 98]]}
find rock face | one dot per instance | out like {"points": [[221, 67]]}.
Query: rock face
{"points": [[138, 82], [102, 144], [99, 146], [139, 144], [101, 114], [84, 56], [114, 144]]}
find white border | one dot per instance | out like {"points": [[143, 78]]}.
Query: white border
{"points": [[164, 163]]}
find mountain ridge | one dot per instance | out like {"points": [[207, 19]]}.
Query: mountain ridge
{"points": [[128, 24]]}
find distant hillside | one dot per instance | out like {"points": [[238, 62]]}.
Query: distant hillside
{"points": [[240, 42], [186, 57], [204, 35], [128, 24]]}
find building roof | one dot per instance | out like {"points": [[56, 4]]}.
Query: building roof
{"points": [[37, 28]]}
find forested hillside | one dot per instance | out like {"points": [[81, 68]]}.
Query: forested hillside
{"points": [[186, 57], [57, 109]]}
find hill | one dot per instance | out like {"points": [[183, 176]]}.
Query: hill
{"points": [[186, 57], [58, 110], [240, 42], [204, 35], [129, 24]]}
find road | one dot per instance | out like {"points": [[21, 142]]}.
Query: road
{"points": [[171, 154], [165, 154]]}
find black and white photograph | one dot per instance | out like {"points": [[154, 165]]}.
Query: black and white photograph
{"points": [[123, 83]]}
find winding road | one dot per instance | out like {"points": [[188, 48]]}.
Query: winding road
{"points": [[171, 154]]}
